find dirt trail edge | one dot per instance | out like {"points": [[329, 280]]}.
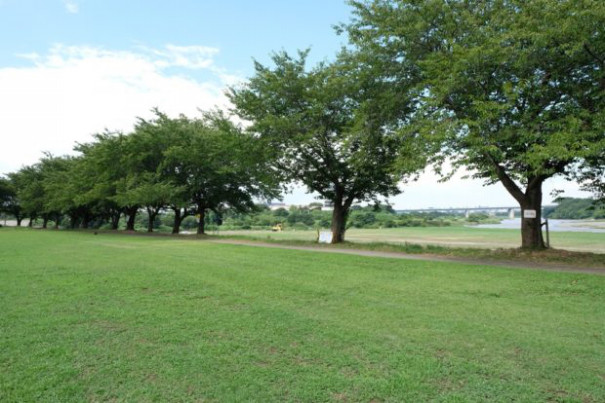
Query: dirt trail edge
{"points": [[423, 257]]}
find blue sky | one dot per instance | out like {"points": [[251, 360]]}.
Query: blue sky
{"points": [[71, 68], [240, 29]]}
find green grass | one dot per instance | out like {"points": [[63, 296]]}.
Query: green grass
{"points": [[126, 318], [553, 258], [455, 236]]}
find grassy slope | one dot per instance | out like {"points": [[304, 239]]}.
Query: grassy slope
{"points": [[449, 236], [105, 317]]}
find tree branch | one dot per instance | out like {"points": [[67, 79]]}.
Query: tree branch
{"points": [[508, 183]]}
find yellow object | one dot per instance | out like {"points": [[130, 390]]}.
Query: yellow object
{"points": [[277, 227]]}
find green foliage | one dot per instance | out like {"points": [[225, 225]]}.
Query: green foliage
{"points": [[219, 165], [573, 208], [515, 89], [322, 133], [373, 216], [9, 202], [182, 164]]}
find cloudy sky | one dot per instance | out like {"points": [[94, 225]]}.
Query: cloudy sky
{"points": [[71, 68]]}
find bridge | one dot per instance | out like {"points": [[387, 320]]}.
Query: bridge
{"points": [[511, 211]]}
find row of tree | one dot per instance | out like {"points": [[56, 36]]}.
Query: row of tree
{"points": [[190, 166], [512, 90]]}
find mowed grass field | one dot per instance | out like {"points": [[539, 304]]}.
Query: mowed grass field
{"points": [[455, 236], [107, 317]]}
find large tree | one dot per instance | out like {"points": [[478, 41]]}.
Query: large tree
{"points": [[325, 134], [516, 87]]}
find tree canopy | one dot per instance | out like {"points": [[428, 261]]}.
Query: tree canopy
{"points": [[516, 88], [324, 133], [188, 165]]}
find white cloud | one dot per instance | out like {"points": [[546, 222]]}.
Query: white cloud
{"points": [[191, 57], [72, 92], [71, 6]]}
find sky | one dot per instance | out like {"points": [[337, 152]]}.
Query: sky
{"points": [[72, 68]]}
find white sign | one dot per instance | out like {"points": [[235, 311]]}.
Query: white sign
{"points": [[529, 213], [325, 237]]}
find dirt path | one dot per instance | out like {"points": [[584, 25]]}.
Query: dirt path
{"points": [[423, 257]]}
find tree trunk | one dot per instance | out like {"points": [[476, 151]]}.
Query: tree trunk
{"points": [[132, 214], [115, 219], [44, 221], [57, 221], [178, 219], [201, 224], [531, 199], [151, 215], [31, 222], [531, 228], [19, 219], [340, 214], [73, 221]]}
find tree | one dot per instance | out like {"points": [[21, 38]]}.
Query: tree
{"points": [[29, 186], [219, 166], [104, 170], [517, 88], [165, 183], [324, 133], [574, 208], [591, 176], [9, 202], [63, 189]]}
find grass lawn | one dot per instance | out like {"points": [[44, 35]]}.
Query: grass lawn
{"points": [[127, 318], [454, 236]]}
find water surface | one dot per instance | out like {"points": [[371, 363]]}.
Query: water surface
{"points": [[554, 225]]}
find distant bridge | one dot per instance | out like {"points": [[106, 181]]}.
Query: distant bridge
{"points": [[511, 211]]}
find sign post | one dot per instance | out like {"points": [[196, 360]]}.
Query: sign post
{"points": [[325, 237]]}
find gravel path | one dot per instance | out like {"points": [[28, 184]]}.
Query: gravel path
{"points": [[423, 257]]}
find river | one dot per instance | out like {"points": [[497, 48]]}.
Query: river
{"points": [[554, 225]]}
